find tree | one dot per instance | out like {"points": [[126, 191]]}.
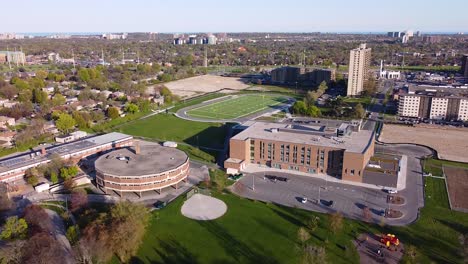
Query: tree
{"points": [[299, 108], [80, 120], [9, 91], [72, 234], [53, 177], [41, 74], [58, 100], [43, 248], [32, 176], [336, 222], [131, 108], [359, 111], [314, 255], [69, 184], [370, 86], [38, 96], [120, 232], [65, 122], [79, 200], [313, 111], [14, 228], [64, 174], [73, 171], [311, 98], [112, 112], [303, 235], [313, 223], [5, 201], [83, 74], [37, 218]]}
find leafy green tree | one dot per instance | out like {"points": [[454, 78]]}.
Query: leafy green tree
{"points": [[41, 74], [38, 96], [80, 120], [64, 174], [299, 108], [73, 171], [72, 234], [165, 77], [313, 111], [65, 122], [53, 177], [131, 108], [58, 100], [14, 228], [83, 74], [112, 112]]}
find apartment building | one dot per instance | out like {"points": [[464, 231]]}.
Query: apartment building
{"points": [[464, 68], [359, 63], [335, 148], [438, 103], [301, 75]]}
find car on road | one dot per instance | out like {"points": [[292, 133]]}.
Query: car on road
{"points": [[390, 190], [283, 179], [304, 200]]}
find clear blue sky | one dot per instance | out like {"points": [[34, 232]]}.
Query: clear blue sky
{"points": [[233, 16]]}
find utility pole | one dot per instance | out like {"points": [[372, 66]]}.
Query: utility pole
{"points": [[22, 61], [73, 56], [16, 54], [8, 58], [253, 182], [102, 51]]}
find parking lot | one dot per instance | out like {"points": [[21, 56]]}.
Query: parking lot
{"points": [[322, 196]]}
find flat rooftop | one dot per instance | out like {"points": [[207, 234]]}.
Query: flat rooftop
{"points": [[308, 134], [32, 157], [152, 159]]}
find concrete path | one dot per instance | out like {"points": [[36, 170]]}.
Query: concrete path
{"points": [[59, 233]]}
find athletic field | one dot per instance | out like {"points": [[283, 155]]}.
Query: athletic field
{"points": [[237, 106]]}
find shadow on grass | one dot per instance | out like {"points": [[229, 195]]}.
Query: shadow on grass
{"points": [[235, 248], [171, 252]]}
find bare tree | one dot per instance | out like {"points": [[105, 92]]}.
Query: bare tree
{"points": [[314, 255], [336, 222], [79, 200]]}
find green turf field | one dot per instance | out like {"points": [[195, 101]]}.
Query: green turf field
{"points": [[238, 106]]}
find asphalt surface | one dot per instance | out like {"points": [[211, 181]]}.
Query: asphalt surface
{"points": [[59, 235], [347, 199]]}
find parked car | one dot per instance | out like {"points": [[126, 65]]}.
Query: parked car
{"points": [[390, 190], [304, 200]]}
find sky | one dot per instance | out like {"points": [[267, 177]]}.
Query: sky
{"points": [[233, 16]]}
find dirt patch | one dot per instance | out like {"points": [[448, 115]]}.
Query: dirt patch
{"points": [[457, 182], [190, 87], [443, 139]]}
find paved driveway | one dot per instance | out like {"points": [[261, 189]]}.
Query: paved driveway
{"points": [[347, 199]]}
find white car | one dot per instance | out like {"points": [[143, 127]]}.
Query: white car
{"points": [[390, 190], [304, 200]]}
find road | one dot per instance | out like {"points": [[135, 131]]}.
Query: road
{"points": [[348, 199]]}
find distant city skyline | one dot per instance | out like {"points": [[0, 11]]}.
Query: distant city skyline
{"points": [[242, 16]]}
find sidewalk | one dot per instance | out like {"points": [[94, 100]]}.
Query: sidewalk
{"points": [[254, 168]]}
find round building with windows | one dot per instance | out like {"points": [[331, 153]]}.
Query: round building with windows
{"points": [[141, 168]]}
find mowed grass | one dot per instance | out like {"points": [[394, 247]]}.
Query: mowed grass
{"points": [[168, 127], [238, 106], [435, 166], [255, 232], [250, 232]]}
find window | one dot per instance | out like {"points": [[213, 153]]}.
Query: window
{"points": [[352, 172], [311, 170]]}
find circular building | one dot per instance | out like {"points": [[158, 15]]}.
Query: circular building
{"points": [[141, 168]]}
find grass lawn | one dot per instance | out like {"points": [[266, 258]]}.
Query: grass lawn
{"points": [[168, 127], [434, 166], [255, 232], [250, 232], [238, 106], [365, 101]]}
